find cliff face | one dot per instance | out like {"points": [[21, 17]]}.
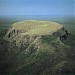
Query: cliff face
{"points": [[36, 43], [31, 31]]}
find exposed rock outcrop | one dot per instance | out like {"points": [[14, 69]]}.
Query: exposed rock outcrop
{"points": [[28, 33]]}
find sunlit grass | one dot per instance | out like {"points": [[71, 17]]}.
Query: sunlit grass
{"points": [[37, 27]]}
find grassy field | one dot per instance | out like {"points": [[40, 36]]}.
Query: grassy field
{"points": [[32, 27]]}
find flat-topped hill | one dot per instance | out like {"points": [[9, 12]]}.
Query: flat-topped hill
{"points": [[27, 31], [37, 47]]}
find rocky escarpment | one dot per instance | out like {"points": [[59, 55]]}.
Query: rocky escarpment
{"points": [[27, 33]]}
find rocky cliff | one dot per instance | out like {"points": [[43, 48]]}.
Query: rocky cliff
{"points": [[31, 31]]}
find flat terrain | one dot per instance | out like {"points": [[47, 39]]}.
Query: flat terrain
{"points": [[37, 27]]}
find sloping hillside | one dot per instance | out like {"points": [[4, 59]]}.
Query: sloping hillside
{"points": [[39, 48]]}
